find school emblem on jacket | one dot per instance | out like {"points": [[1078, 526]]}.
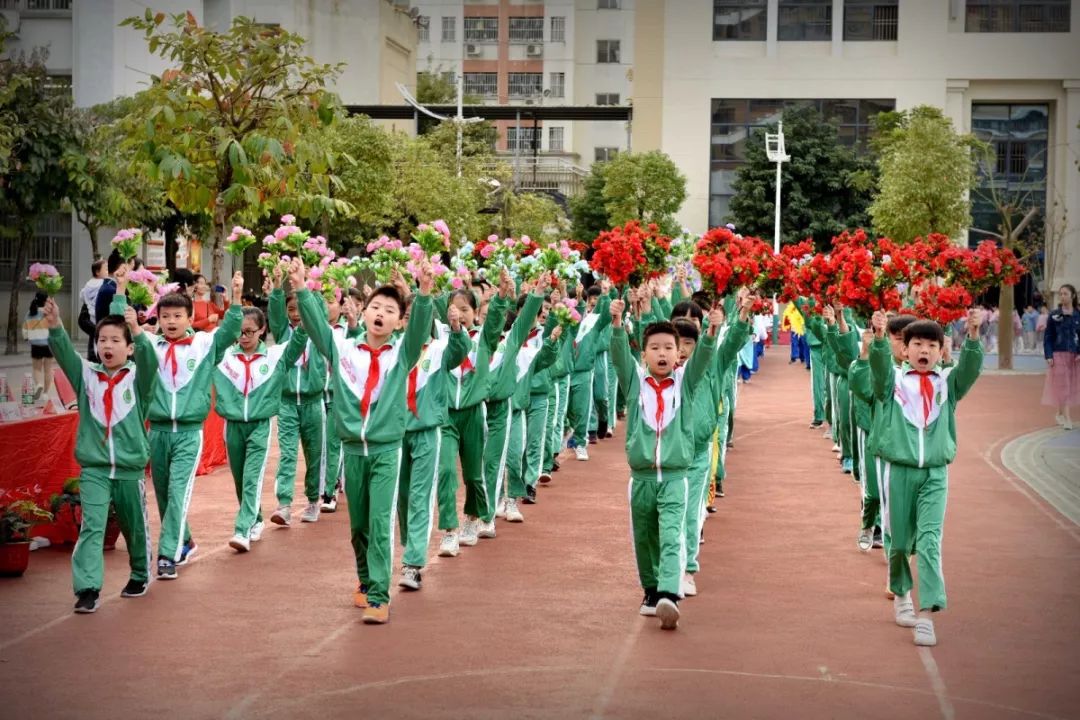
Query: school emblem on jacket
{"points": [[191, 364], [128, 397], [425, 366], [264, 368]]}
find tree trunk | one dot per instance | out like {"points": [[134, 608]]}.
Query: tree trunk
{"points": [[1005, 327], [95, 249], [217, 253], [26, 236]]}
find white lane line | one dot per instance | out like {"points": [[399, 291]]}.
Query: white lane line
{"points": [[937, 683], [1019, 486], [611, 680]]}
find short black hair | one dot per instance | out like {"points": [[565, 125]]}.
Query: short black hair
{"points": [[176, 300], [897, 323], [114, 321], [390, 292], [687, 308], [924, 330], [115, 261], [183, 277], [257, 315], [510, 317], [702, 298], [659, 328], [594, 291], [686, 330], [95, 267], [469, 296]]}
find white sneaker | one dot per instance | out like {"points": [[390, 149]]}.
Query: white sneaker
{"points": [[410, 578], [1068, 424], [282, 516], [449, 545], [513, 513], [668, 612], [1059, 419], [836, 448], [904, 610], [866, 539], [311, 513], [469, 533], [486, 530], [239, 543], [924, 633], [500, 511], [689, 587], [257, 531], [581, 453], [329, 506]]}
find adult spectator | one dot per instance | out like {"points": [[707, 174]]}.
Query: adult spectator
{"points": [[1060, 346], [1028, 320], [88, 312], [208, 305]]}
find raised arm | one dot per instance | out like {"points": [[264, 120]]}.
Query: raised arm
{"points": [[66, 357], [418, 331], [526, 319], [294, 349], [276, 316], [146, 367], [967, 369], [620, 347]]}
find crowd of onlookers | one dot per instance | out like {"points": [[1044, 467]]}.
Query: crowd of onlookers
{"points": [[1029, 328]]}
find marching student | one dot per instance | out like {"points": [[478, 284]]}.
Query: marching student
{"points": [[186, 362], [814, 336], [602, 417], [561, 377], [915, 436], [334, 478], [111, 444], [540, 407], [659, 449], [463, 434], [370, 376], [248, 385], [428, 413], [585, 347]]}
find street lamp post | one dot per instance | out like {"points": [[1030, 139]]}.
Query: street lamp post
{"points": [[774, 149], [459, 120]]}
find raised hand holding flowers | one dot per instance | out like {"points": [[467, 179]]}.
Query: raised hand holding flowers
{"points": [[127, 243], [47, 278], [141, 287], [239, 240], [433, 238]]}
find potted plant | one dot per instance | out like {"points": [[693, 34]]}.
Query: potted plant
{"points": [[18, 516], [67, 507]]}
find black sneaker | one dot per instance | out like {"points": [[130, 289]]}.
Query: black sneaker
{"points": [[878, 540], [648, 604], [555, 464], [592, 437], [134, 589], [530, 495], [710, 509], [602, 430], [187, 552], [166, 569], [816, 423], [87, 602], [719, 488]]}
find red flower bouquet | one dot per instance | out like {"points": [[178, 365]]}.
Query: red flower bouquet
{"points": [[943, 304], [726, 260], [620, 254]]}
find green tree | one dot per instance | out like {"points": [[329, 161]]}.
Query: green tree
{"points": [[537, 216], [432, 88], [643, 186], [927, 170], [820, 189], [228, 132], [588, 209], [33, 181]]}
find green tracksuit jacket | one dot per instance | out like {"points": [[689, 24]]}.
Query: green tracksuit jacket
{"points": [[506, 371], [309, 376], [249, 387], [429, 381], [470, 381]]}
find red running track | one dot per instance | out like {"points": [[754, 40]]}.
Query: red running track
{"points": [[791, 620]]}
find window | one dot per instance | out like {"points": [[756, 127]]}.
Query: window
{"points": [[449, 29], [558, 84], [558, 29], [58, 85], [520, 139], [555, 139], [450, 77], [607, 4], [527, 29], [423, 31], [739, 20], [481, 29], [43, 7], [481, 83], [524, 84], [607, 51], [870, 19], [603, 154], [51, 244], [805, 20], [607, 98], [1011, 16]]}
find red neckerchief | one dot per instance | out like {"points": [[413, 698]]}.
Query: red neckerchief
{"points": [[107, 400], [926, 389], [659, 388], [372, 376], [466, 364], [247, 369], [534, 333], [410, 394], [170, 353]]}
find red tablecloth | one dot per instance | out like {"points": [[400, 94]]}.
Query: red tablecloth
{"points": [[38, 454]]}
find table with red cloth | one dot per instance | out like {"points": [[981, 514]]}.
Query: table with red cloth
{"points": [[213, 454]]}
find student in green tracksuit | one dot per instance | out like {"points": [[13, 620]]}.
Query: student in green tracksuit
{"points": [[915, 436], [186, 362], [502, 381], [560, 373], [585, 346], [529, 411], [838, 360], [111, 444], [370, 377], [302, 417], [426, 400], [705, 402], [602, 417], [335, 464], [538, 402], [660, 451], [815, 338], [248, 385]]}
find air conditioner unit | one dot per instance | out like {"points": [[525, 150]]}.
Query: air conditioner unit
{"points": [[534, 50], [11, 20], [471, 49]]}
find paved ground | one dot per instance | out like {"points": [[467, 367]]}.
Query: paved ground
{"points": [[1049, 461], [542, 621]]}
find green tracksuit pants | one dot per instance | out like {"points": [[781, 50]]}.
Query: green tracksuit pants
{"points": [[129, 499], [842, 400], [371, 486], [818, 384], [335, 463], [580, 407], [557, 429], [697, 493], [247, 443], [497, 422], [604, 381], [463, 437], [418, 484], [914, 503], [303, 424], [535, 438], [719, 459], [515, 454], [174, 459], [868, 481], [657, 515]]}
